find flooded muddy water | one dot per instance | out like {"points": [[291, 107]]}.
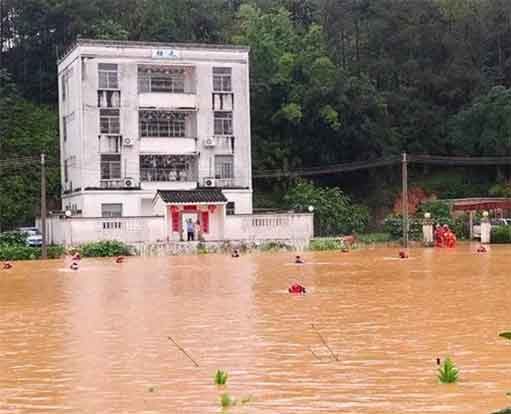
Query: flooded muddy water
{"points": [[97, 340]]}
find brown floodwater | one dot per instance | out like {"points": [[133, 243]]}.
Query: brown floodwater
{"points": [[97, 340]]}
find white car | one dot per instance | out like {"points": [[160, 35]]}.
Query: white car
{"points": [[33, 236]]}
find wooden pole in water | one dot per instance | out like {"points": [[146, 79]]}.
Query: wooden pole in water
{"points": [[183, 351], [405, 200]]}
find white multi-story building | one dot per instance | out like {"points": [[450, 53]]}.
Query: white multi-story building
{"points": [[151, 129]]}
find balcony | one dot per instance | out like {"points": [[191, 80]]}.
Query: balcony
{"points": [[167, 86], [166, 175], [226, 183]]}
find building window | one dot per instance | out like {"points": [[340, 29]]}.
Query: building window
{"points": [[229, 208], [66, 123], [167, 168], [107, 76], [223, 123], [222, 79], [65, 171], [161, 79], [110, 166], [110, 144], [109, 99], [111, 210], [224, 166], [162, 124], [109, 121], [65, 83]]}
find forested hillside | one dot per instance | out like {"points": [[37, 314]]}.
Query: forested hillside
{"points": [[331, 81]]}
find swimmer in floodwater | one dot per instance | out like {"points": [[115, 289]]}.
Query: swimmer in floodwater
{"points": [[119, 259], [481, 249], [235, 253], [7, 266], [299, 260], [296, 288], [74, 266], [403, 254]]}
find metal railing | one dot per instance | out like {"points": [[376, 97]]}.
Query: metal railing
{"points": [[166, 175]]}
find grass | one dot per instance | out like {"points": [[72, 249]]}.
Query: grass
{"points": [[448, 373], [226, 400], [371, 238], [325, 243], [221, 377]]}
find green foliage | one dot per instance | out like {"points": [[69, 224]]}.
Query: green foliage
{"points": [[12, 238], [439, 210], [372, 238], [104, 248], [393, 225], [320, 244], [506, 335], [501, 234], [221, 377], [334, 213], [202, 248], [22, 252], [448, 373], [226, 400], [274, 246], [500, 190]]}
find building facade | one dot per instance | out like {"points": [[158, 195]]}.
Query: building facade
{"points": [[141, 118]]}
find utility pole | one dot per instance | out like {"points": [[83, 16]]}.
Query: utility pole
{"points": [[44, 246], [404, 162]]}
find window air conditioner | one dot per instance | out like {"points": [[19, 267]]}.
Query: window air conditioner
{"points": [[209, 182], [129, 182], [209, 142], [127, 142]]}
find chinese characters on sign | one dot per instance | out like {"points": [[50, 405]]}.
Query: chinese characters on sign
{"points": [[165, 54]]}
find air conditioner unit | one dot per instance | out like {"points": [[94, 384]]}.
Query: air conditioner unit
{"points": [[129, 182], [209, 182], [127, 142], [209, 142]]}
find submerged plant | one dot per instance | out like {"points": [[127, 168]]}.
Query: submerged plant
{"points": [[221, 377], [226, 400], [448, 373]]}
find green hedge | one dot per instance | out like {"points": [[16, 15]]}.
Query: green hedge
{"points": [[19, 252], [327, 243], [105, 248], [501, 234], [13, 238]]}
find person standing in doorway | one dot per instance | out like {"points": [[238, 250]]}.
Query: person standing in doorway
{"points": [[190, 229]]}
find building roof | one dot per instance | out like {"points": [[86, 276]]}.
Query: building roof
{"points": [[202, 195], [136, 44]]}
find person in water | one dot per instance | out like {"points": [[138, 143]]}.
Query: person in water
{"points": [[235, 253], [7, 266], [439, 236], [481, 249], [403, 254], [77, 256], [74, 266], [449, 238], [119, 259], [297, 289], [299, 260]]}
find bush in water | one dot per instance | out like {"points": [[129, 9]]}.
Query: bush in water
{"points": [[448, 373], [105, 248], [12, 238], [221, 377], [501, 234], [226, 400], [21, 252], [325, 244]]}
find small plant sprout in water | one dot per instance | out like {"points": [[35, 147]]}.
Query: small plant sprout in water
{"points": [[221, 377], [227, 401], [448, 373]]}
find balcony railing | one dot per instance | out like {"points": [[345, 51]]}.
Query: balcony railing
{"points": [[234, 182], [166, 175]]}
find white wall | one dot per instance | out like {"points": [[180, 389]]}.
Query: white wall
{"points": [[242, 200], [269, 226]]}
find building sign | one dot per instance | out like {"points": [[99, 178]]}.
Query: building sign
{"points": [[165, 54]]}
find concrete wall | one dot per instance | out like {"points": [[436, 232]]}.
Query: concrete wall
{"points": [[269, 226]]}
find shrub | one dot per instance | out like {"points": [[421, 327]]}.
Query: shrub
{"points": [[22, 252], [273, 246], [448, 373], [374, 238], [12, 238], [334, 212], [105, 248], [501, 234], [325, 244], [393, 225], [221, 377], [226, 400]]}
